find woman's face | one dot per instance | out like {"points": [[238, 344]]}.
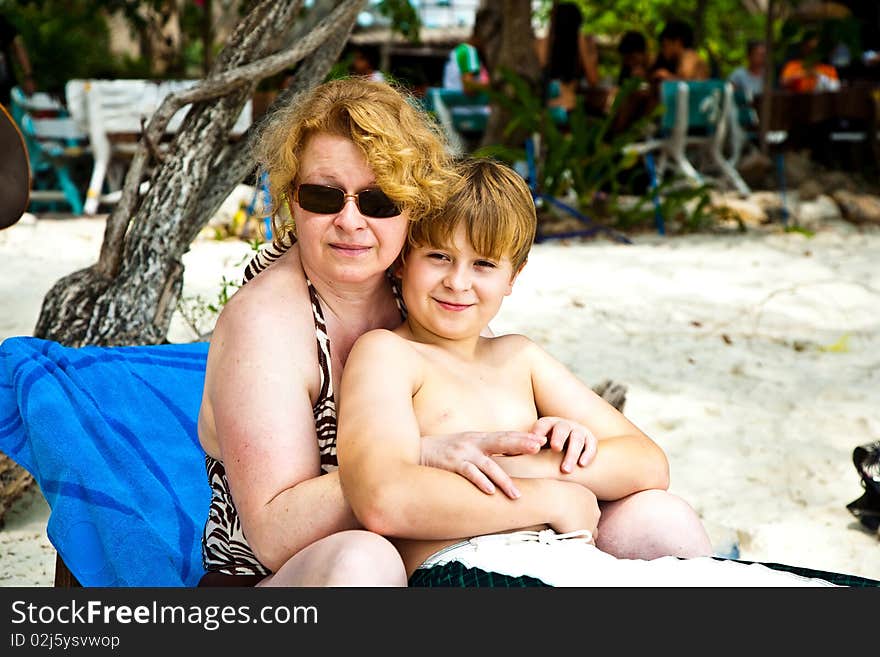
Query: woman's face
{"points": [[345, 247]]}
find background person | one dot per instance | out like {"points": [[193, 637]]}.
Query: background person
{"points": [[15, 65], [634, 58], [634, 75], [364, 63], [749, 79], [678, 59], [566, 56], [465, 69], [807, 72]]}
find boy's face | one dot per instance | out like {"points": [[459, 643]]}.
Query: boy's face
{"points": [[453, 291]]}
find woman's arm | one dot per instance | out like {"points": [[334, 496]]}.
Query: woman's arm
{"points": [[626, 459], [261, 368], [390, 492], [589, 54]]}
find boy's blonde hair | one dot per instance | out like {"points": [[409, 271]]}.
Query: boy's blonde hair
{"points": [[403, 147], [495, 206]]}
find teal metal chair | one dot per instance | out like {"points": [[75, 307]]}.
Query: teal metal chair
{"points": [[458, 113], [696, 118], [53, 141]]}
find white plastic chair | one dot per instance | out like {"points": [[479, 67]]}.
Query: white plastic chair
{"points": [[697, 116], [122, 107]]}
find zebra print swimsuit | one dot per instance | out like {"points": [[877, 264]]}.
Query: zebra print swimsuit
{"points": [[224, 546]]}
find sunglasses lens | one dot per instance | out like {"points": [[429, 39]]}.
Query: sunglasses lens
{"points": [[374, 203], [320, 199]]}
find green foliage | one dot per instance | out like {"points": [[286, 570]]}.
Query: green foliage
{"points": [[404, 17], [727, 25], [65, 39], [69, 39], [683, 208], [341, 68], [201, 314], [831, 32], [806, 232]]}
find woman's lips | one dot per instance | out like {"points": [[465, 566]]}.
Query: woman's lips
{"points": [[455, 307], [349, 249]]}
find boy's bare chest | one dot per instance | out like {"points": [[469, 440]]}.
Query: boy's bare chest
{"points": [[454, 399]]}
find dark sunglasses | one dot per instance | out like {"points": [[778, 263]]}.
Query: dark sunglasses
{"points": [[323, 199]]}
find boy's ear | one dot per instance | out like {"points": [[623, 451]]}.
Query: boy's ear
{"points": [[514, 276]]}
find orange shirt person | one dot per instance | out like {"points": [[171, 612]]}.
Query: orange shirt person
{"points": [[806, 74]]}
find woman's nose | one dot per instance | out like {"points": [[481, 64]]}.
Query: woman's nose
{"points": [[350, 217]]}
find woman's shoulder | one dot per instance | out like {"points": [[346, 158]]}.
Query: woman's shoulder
{"points": [[274, 299]]}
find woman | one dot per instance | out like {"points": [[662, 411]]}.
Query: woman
{"points": [[267, 422], [566, 55]]}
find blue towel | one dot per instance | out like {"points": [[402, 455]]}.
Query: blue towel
{"points": [[109, 434]]}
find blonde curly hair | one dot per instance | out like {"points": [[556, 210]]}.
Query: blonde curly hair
{"points": [[404, 148]]}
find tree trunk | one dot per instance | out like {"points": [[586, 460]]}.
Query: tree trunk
{"points": [[129, 295], [515, 52], [700, 23]]}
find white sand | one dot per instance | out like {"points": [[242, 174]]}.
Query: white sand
{"points": [[719, 337]]}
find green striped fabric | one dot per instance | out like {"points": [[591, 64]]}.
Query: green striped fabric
{"points": [[841, 579], [456, 574]]}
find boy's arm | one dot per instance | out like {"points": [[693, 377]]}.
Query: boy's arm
{"points": [[378, 452], [626, 460]]}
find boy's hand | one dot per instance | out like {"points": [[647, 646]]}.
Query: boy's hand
{"points": [[559, 431], [469, 454]]}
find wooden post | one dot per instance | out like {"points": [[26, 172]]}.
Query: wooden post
{"points": [[766, 96]]}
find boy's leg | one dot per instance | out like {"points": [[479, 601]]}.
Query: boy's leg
{"points": [[349, 558], [651, 524]]}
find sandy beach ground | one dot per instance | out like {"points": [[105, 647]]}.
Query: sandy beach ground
{"points": [[752, 359]]}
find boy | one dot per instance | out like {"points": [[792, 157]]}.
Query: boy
{"points": [[436, 374]]}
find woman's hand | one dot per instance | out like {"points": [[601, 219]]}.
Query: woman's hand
{"points": [[579, 442], [469, 454]]}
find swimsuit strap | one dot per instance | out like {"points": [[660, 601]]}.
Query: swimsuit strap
{"points": [[398, 294], [323, 341]]}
